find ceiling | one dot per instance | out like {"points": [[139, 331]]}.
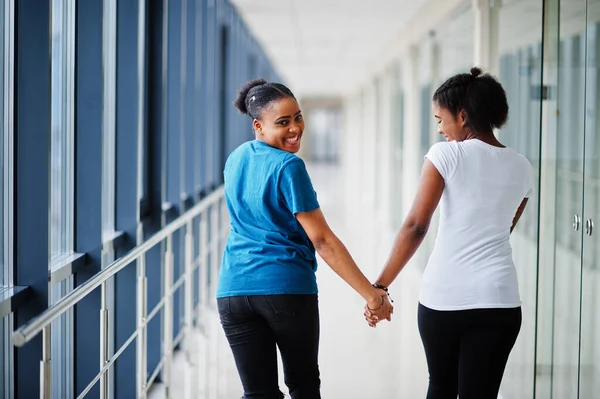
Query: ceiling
{"points": [[324, 48]]}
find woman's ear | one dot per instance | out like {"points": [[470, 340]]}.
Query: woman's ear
{"points": [[257, 126], [463, 117]]}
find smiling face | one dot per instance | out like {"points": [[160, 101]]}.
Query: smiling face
{"points": [[451, 127], [281, 125]]}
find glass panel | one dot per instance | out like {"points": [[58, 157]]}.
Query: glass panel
{"points": [[520, 72], [569, 198], [61, 179], [2, 139], [109, 110], [4, 348], [6, 373], [109, 162], [426, 124], [589, 384], [62, 345], [62, 186], [397, 148], [6, 184], [456, 43], [323, 125]]}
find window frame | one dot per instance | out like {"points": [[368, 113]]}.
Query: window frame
{"points": [[6, 203]]}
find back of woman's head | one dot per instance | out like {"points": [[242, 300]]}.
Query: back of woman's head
{"points": [[255, 95], [481, 97]]}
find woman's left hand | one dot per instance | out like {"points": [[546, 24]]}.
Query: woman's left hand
{"points": [[375, 316]]}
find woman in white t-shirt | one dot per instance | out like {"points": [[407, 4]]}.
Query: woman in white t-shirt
{"points": [[469, 312]]}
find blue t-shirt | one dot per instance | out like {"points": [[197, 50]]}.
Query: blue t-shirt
{"points": [[267, 250]]}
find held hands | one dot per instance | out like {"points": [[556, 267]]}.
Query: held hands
{"points": [[378, 309]]}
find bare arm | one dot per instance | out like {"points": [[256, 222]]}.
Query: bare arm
{"points": [[333, 251], [518, 214], [415, 227]]}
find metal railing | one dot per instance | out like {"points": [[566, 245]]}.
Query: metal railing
{"points": [[209, 255]]}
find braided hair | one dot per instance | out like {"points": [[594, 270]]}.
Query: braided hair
{"points": [[481, 97], [257, 94]]}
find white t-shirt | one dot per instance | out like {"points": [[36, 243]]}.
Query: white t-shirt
{"points": [[471, 266]]}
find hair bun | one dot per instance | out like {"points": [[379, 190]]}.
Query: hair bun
{"points": [[240, 99], [475, 72]]}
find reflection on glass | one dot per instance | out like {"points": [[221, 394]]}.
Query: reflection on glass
{"points": [[61, 185], [589, 381], [520, 72], [569, 198], [397, 115], [109, 115], [3, 137], [4, 348], [62, 130], [426, 124]]}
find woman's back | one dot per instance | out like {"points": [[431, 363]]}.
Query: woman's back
{"points": [[267, 251], [471, 265]]}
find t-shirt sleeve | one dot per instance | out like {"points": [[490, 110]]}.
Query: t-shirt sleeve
{"points": [[296, 188], [443, 158]]}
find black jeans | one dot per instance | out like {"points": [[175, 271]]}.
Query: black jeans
{"points": [[255, 325], [467, 350]]}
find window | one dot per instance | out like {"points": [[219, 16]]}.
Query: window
{"points": [[426, 123], [324, 124], [6, 184], [109, 117], [62, 175], [3, 137], [109, 155], [62, 138]]}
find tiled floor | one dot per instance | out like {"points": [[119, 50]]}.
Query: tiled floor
{"points": [[357, 362]]}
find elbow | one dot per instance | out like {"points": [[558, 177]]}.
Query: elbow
{"points": [[324, 242], [417, 229], [319, 242]]}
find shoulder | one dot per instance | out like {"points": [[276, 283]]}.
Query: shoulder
{"points": [[445, 147], [448, 150], [292, 159], [526, 163], [526, 166], [522, 160], [291, 163]]}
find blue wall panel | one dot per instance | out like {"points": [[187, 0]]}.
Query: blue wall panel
{"points": [[126, 191], [32, 185], [88, 203], [189, 106], [155, 116], [174, 151]]}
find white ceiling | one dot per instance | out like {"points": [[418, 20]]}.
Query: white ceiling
{"points": [[323, 48]]}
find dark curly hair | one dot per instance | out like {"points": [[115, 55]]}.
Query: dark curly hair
{"points": [[256, 94], [479, 95]]}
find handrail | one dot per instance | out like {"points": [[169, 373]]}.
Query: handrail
{"points": [[32, 328]]}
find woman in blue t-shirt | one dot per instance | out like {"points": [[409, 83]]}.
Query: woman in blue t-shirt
{"points": [[267, 293]]}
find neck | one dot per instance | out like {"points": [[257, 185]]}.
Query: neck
{"points": [[487, 137]]}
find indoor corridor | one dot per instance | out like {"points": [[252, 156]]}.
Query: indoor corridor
{"points": [[356, 361], [116, 121]]}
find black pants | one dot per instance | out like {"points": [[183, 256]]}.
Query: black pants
{"points": [[467, 350], [255, 325]]}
